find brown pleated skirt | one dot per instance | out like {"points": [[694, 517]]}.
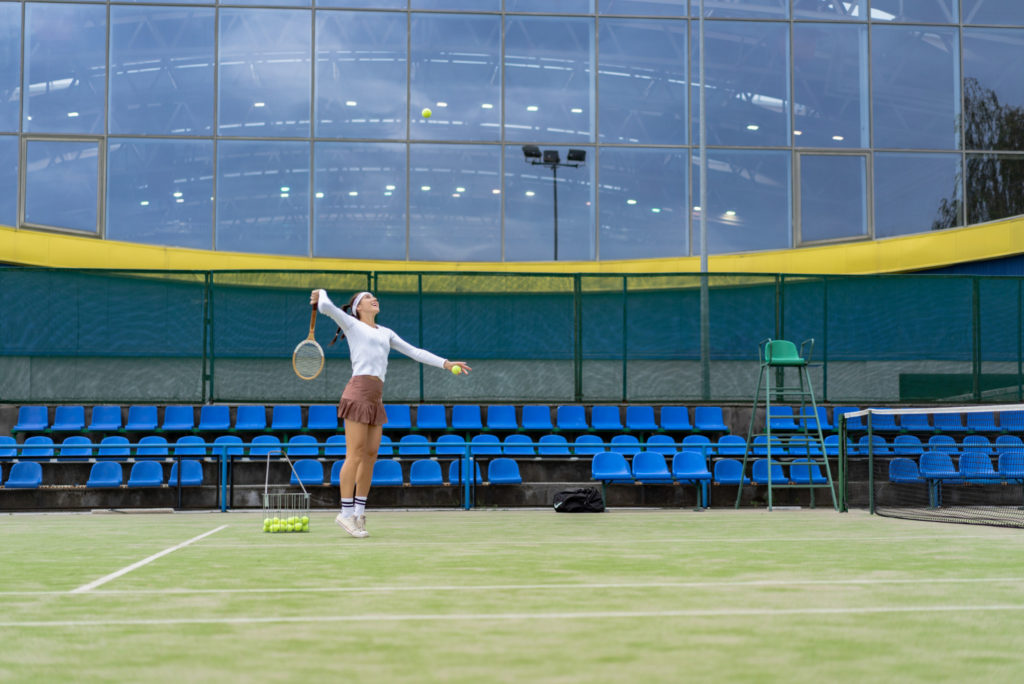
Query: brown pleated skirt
{"points": [[361, 400]]}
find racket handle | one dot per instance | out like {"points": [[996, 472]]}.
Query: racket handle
{"points": [[312, 320]]}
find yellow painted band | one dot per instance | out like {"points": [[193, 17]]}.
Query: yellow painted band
{"points": [[891, 255]]}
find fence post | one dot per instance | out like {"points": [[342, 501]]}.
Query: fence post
{"points": [[468, 476]]}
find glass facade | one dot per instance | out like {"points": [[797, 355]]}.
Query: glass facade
{"points": [[508, 130]]}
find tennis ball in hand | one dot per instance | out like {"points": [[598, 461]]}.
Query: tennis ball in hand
{"points": [[426, 113], [456, 370]]}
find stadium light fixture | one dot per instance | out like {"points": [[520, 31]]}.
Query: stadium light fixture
{"points": [[553, 160]]}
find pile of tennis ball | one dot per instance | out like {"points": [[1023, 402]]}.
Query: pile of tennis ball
{"points": [[292, 524]]}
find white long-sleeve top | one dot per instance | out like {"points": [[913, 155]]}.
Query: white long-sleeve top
{"points": [[369, 346]]}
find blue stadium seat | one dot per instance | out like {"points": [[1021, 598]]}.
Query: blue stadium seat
{"points": [[114, 446], [709, 419], [903, 470], [854, 424], [399, 417], [627, 445], [431, 417], [76, 448], [466, 417], [191, 473], [806, 419], [425, 473], [141, 418], [729, 471], [937, 465], [178, 419], [501, 417], [877, 444], [915, 422], [606, 419], [303, 446], [386, 447], [68, 419], [730, 445], [699, 443], [484, 445], [152, 446], [975, 466], [1011, 466], [234, 445], [759, 472], [943, 443], [759, 446], [982, 421], [978, 443], [265, 445], [310, 472], [832, 446], [251, 418], [571, 418], [553, 445], [673, 419], [189, 445], [336, 472], [650, 466], [455, 472], [780, 418], [662, 444], [323, 418], [907, 445], [146, 474], [503, 471], [882, 422], [32, 419], [610, 467], [214, 418], [518, 445], [25, 475], [413, 445], [286, 418], [1009, 444], [335, 446], [8, 447], [587, 445], [537, 418], [450, 445], [803, 445], [1011, 421], [641, 419], [805, 471], [105, 474], [948, 422], [690, 467], [105, 419], [37, 446]]}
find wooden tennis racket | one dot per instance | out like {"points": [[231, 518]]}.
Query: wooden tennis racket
{"points": [[308, 357]]}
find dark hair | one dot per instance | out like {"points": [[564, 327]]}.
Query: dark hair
{"points": [[347, 308]]}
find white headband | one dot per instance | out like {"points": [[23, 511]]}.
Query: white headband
{"points": [[355, 302]]}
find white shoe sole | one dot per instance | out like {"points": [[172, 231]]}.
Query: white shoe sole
{"points": [[353, 531]]}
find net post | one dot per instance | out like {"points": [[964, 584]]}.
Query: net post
{"points": [[843, 503], [871, 465]]}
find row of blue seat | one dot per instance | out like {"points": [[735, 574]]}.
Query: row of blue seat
{"points": [[690, 467], [29, 474], [324, 417], [971, 466], [976, 421], [911, 445]]}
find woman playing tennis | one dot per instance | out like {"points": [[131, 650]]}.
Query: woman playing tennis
{"points": [[361, 406]]}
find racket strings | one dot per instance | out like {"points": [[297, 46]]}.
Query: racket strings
{"points": [[308, 359]]}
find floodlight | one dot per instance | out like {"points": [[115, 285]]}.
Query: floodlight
{"points": [[551, 157], [531, 151], [577, 155]]}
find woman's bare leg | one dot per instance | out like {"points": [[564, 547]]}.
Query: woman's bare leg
{"points": [[364, 475]]}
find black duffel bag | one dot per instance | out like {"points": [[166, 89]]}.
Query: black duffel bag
{"points": [[582, 500]]}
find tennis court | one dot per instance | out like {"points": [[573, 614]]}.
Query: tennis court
{"points": [[510, 596]]}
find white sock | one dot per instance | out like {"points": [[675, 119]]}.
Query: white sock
{"points": [[347, 510], [360, 505]]}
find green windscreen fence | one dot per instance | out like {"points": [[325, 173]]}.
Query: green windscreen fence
{"points": [[227, 336]]}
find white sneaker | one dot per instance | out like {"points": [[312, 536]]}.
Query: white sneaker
{"points": [[361, 525], [350, 525]]}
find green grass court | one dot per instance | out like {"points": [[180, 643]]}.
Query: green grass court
{"points": [[511, 596]]}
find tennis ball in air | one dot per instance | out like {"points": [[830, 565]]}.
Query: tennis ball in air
{"points": [[456, 370], [426, 113]]}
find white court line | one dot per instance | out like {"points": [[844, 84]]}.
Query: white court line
{"points": [[487, 617], [794, 583], [134, 566]]}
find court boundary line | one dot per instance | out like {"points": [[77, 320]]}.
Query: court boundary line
{"points": [[138, 564]]}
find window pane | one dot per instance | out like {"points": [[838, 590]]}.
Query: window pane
{"points": [[287, 3], [930, 11], [8, 180], [472, 5], [747, 69], [994, 183], [360, 74], [644, 8], [915, 193], [836, 10], [643, 203], [830, 84], [363, 4], [65, 68], [549, 79], [914, 82], [549, 7], [1000, 12], [749, 201], [359, 201], [533, 228], [741, 8], [993, 90], [10, 65], [454, 203], [456, 72], [643, 81], [161, 73], [833, 197], [160, 192], [62, 183], [263, 196], [264, 72]]}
